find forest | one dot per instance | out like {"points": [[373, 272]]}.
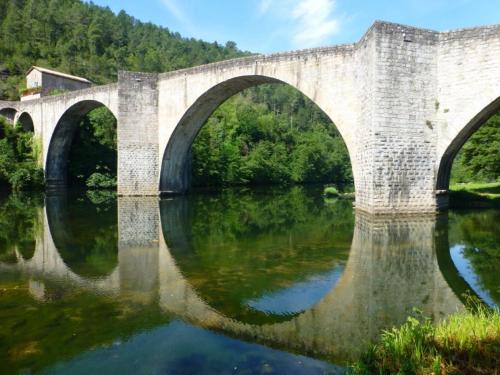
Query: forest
{"points": [[270, 134]]}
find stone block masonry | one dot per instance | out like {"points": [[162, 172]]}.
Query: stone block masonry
{"points": [[404, 100], [137, 134]]}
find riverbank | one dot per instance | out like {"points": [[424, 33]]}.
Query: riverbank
{"points": [[464, 343], [475, 195]]}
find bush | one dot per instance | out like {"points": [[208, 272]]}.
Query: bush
{"points": [[99, 180], [465, 343], [331, 191], [26, 178], [19, 155]]}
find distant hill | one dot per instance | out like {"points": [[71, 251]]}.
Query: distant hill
{"points": [[91, 41]]}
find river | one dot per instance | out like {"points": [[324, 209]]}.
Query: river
{"points": [[240, 281]]}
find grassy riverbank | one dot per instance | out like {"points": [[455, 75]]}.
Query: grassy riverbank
{"points": [[465, 343], [475, 195]]}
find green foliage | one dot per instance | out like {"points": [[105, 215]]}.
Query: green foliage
{"points": [[331, 191], [465, 343], [101, 181], [19, 168], [88, 40], [269, 134], [479, 158], [20, 221], [477, 235], [475, 195], [93, 151], [26, 177], [237, 244]]}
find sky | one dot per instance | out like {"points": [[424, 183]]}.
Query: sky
{"points": [[265, 26]]}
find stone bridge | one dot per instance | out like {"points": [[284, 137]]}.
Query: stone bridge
{"points": [[395, 264], [404, 100]]}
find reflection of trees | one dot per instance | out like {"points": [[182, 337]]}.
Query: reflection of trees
{"points": [[20, 223], [53, 332], [85, 234], [241, 245], [478, 232]]}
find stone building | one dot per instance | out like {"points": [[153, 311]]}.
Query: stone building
{"points": [[43, 82]]}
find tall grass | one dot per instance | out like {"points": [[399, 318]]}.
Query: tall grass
{"points": [[465, 343]]}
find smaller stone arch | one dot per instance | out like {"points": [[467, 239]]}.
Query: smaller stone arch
{"points": [[8, 114], [60, 143], [26, 122], [446, 162]]}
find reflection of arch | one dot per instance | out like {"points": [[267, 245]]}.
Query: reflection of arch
{"points": [[26, 122], [60, 143], [453, 278], [74, 247], [174, 174], [9, 114], [176, 224], [444, 171], [392, 268]]}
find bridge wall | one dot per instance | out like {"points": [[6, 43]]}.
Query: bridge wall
{"points": [[404, 100], [468, 90], [187, 98]]}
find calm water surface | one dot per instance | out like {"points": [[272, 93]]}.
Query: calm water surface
{"points": [[237, 282]]}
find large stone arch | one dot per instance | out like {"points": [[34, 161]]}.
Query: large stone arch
{"points": [[174, 171], [56, 159], [456, 143]]}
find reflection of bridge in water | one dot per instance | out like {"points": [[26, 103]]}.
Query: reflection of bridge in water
{"points": [[392, 267]]}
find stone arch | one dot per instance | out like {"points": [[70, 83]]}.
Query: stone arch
{"points": [[174, 173], [60, 143], [8, 114], [446, 162], [26, 122]]}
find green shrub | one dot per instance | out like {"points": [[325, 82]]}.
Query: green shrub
{"points": [[331, 191], [26, 178], [466, 343], [19, 158], [99, 180]]}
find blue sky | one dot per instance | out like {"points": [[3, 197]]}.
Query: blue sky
{"points": [[280, 25]]}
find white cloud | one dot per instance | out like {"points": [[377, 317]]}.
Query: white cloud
{"points": [[264, 6], [174, 8], [311, 23], [316, 22]]}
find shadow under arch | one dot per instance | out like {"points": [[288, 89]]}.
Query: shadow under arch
{"points": [[446, 163], [26, 122], [8, 114], [85, 236], [174, 173], [61, 140]]}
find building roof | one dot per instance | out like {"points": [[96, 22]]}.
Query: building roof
{"points": [[59, 74]]}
